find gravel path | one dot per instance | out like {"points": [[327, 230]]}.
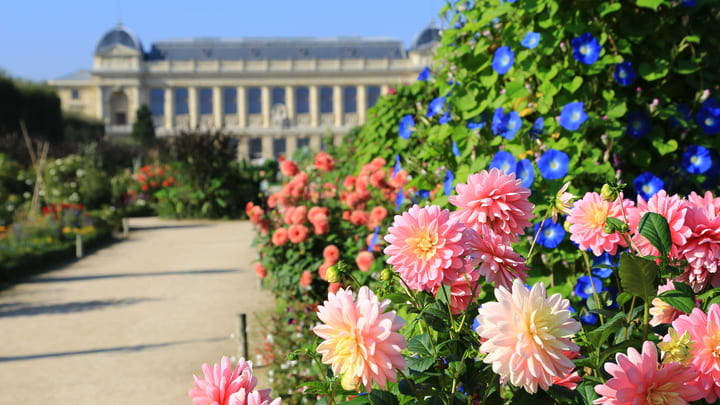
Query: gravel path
{"points": [[130, 323]]}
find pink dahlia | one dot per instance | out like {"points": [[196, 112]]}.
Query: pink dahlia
{"points": [[702, 250], [673, 208], [224, 385], [361, 342], [587, 221], [704, 330], [331, 254], [463, 288], [494, 199], [280, 237], [528, 335], [364, 260], [324, 162], [638, 378], [661, 311], [298, 233], [498, 262], [424, 243]]}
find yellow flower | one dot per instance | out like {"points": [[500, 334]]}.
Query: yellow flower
{"points": [[563, 202], [66, 229], [678, 349], [556, 135], [527, 111]]}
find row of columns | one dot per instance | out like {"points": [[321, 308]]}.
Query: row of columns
{"points": [[315, 140], [265, 100]]}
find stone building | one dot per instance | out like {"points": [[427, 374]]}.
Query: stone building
{"points": [[273, 94]]}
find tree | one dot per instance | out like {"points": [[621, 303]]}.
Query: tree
{"points": [[143, 129]]}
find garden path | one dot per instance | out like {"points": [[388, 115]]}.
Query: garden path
{"points": [[131, 323]]}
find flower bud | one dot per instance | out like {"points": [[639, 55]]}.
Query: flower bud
{"points": [[386, 275], [608, 193], [332, 274], [567, 225]]}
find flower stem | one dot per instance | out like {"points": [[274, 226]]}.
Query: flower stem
{"points": [[592, 284], [537, 234]]}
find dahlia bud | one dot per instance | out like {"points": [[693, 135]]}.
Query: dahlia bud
{"points": [[567, 225], [608, 193], [386, 275], [332, 274], [350, 382]]}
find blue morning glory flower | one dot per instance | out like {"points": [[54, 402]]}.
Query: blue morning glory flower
{"points": [[436, 107], [406, 126], [448, 182], [475, 125], [374, 239], [507, 1], [551, 234], [531, 40], [572, 115], [525, 172], [455, 149], [638, 124], [506, 125], [624, 74], [696, 159], [398, 166], [605, 259], [589, 319], [553, 164], [399, 198], [423, 194], [683, 111], [538, 126], [445, 118], [476, 323], [585, 285], [504, 161], [586, 48], [689, 3], [503, 60], [647, 184], [708, 118], [424, 75]]}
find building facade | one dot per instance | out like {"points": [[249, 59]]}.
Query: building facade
{"points": [[273, 94]]}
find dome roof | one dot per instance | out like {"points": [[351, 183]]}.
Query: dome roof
{"points": [[426, 37], [118, 35]]}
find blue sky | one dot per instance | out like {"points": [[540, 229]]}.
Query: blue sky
{"points": [[44, 39]]}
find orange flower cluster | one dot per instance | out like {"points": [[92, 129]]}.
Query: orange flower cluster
{"points": [[151, 177]]}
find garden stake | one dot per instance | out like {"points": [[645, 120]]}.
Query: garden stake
{"points": [[242, 334]]}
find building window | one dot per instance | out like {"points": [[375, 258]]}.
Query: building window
{"points": [[350, 99], [181, 101], [254, 101], [157, 101], [255, 148], [229, 95], [326, 100], [303, 143], [120, 118], [205, 94], [278, 147], [277, 96], [302, 100], [373, 94], [75, 94]]}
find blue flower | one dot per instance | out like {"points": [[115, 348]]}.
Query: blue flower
{"points": [[399, 198], [531, 40], [476, 323], [638, 124], [506, 125], [445, 118], [685, 114], [696, 159], [525, 172], [624, 74], [455, 149], [586, 48], [550, 235], [572, 115], [553, 164], [398, 166], [689, 3], [605, 259], [538, 126], [647, 184], [436, 107], [504, 161], [585, 285], [475, 125], [503, 60], [406, 126], [589, 319], [424, 75], [424, 194], [708, 118], [374, 239], [448, 182]]}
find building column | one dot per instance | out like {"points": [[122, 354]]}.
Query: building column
{"points": [[290, 103], [169, 109], [242, 108], [133, 95], [361, 103], [314, 107], [265, 100], [338, 105], [193, 107], [290, 145], [243, 150], [315, 142], [218, 107], [267, 144], [101, 110]]}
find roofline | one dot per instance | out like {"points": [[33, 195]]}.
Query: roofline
{"points": [[220, 40]]}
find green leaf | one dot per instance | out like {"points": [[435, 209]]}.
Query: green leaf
{"points": [[599, 335], [363, 399], [378, 397], [419, 364], [420, 344], [587, 392], [655, 228], [574, 84], [653, 4], [679, 300], [607, 8], [657, 70], [664, 148], [617, 110], [637, 276], [623, 297]]}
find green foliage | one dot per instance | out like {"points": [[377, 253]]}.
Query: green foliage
{"points": [[143, 129], [37, 105], [638, 276]]}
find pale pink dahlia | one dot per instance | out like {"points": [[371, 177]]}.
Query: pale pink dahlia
{"points": [[638, 378], [361, 342], [702, 249], [424, 243], [463, 288], [704, 330], [587, 221], [673, 209], [495, 257], [224, 385], [528, 335], [661, 311], [494, 199]]}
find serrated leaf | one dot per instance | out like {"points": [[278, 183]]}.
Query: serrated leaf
{"points": [[599, 335], [638, 276], [419, 363], [378, 397], [679, 300], [420, 344], [587, 392], [623, 297], [655, 228]]}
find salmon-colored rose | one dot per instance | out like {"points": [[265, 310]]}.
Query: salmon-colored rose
{"points": [[280, 237], [324, 162], [288, 168], [359, 217]]}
